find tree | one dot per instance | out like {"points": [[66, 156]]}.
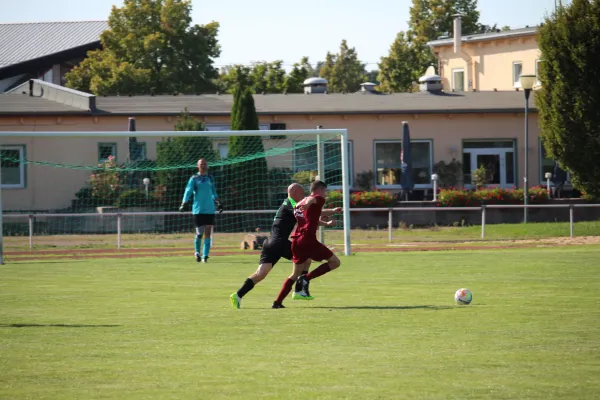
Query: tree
{"points": [[246, 174], [232, 76], [397, 71], [568, 102], [409, 55], [150, 46], [176, 159], [294, 81], [344, 71]]}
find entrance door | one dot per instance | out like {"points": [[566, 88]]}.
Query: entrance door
{"points": [[498, 162]]}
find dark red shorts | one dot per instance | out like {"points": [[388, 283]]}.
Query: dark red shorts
{"points": [[303, 250]]}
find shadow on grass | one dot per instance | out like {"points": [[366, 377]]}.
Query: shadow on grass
{"points": [[425, 307], [55, 326]]}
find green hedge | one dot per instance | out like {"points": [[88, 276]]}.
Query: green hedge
{"points": [[471, 198], [361, 199]]}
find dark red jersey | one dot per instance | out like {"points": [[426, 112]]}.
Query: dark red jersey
{"points": [[308, 221]]}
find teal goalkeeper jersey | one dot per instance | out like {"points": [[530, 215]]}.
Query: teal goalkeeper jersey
{"points": [[202, 187]]}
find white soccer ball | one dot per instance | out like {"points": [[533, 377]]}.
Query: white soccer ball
{"points": [[463, 297]]}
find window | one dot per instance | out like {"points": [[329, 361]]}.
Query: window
{"points": [[106, 150], [13, 167], [305, 159], [137, 151], [223, 150], [458, 80], [547, 165], [517, 71], [537, 72], [388, 166]]}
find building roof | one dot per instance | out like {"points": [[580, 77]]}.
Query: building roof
{"points": [[24, 42], [528, 31], [18, 103]]}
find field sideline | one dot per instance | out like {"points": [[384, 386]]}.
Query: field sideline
{"points": [[383, 326]]}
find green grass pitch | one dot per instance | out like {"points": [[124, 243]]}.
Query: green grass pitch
{"points": [[383, 326]]}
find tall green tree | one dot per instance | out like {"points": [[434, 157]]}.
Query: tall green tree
{"points": [[150, 46], [409, 55], [568, 102], [248, 171], [397, 70], [294, 81], [176, 158], [344, 71]]}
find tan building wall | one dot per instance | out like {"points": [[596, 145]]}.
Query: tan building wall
{"points": [[50, 188], [488, 65]]}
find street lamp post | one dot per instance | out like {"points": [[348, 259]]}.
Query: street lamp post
{"points": [[527, 82], [146, 182], [548, 176]]}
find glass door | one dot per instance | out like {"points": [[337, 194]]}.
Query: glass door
{"points": [[499, 164]]}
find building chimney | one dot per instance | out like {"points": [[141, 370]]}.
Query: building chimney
{"points": [[457, 32]]}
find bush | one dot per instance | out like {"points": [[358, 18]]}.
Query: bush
{"points": [[132, 198], [471, 198], [361, 199]]}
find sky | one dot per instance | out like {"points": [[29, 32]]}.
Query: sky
{"points": [[268, 30]]}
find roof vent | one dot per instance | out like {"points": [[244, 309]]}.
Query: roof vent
{"points": [[315, 85], [430, 82]]}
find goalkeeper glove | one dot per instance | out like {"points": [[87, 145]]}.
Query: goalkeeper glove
{"points": [[219, 206]]}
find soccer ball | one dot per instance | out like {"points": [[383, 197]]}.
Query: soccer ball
{"points": [[463, 296]]}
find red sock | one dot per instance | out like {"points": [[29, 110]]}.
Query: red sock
{"points": [[285, 290], [320, 270]]}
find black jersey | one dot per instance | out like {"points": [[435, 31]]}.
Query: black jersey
{"points": [[284, 221]]}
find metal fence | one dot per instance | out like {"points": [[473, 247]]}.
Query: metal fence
{"points": [[121, 217]]}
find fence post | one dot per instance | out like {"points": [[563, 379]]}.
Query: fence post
{"points": [[119, 218], [390, 224], [572, 219], [483, 222], [31, 232]]}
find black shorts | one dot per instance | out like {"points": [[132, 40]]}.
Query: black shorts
{"points": [[273, 251], [204, 219]]}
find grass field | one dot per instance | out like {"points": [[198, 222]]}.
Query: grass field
{"points": [[500, 232], [384, 326]]}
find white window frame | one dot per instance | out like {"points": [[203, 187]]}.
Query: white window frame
{"points": [[221, 146], [21, 149], [537, 73], [113, 144], [516, 80], [399, 186], [350, 162], [455, 70]]}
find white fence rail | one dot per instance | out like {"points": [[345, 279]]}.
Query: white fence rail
{"points": [[481, 209]]}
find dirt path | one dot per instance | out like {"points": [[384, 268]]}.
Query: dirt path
{"points": [[81, 254]]}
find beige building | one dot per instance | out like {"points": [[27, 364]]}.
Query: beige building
{"points": [[475, 128], [486, 62]]}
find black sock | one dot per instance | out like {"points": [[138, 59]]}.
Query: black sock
{"points": [[246, 287]]}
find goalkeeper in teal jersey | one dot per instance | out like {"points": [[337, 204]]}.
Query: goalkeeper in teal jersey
{"points": [[206, 202]]}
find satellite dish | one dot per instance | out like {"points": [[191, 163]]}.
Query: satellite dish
{"points": [[430, 71]]}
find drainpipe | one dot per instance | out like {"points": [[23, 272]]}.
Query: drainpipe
{"points": [[31, 88]]}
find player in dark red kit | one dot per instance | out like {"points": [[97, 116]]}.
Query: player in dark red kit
{"points": [[305, 245]]}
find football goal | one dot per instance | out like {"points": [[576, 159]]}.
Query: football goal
{"points": [[123, 189]]}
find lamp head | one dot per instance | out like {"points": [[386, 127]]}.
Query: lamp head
{"points": [[527, 81], [434, 177], [146, 181]]}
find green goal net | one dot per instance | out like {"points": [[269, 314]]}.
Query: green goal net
{"points": [[107, 190]]}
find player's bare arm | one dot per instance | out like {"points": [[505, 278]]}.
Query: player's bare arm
{"points": [[330, 211]]}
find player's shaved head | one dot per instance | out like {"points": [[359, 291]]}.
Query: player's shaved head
{"points": [[296, 191], [202, 165]]}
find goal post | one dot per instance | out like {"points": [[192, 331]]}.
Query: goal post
{"points": [[74, 184]]}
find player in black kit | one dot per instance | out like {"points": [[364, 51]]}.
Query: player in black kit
{"points": [[278, 245]]}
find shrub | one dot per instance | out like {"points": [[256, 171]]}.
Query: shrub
{"points": [[361, 199], [470, 198], [132, 198]]}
